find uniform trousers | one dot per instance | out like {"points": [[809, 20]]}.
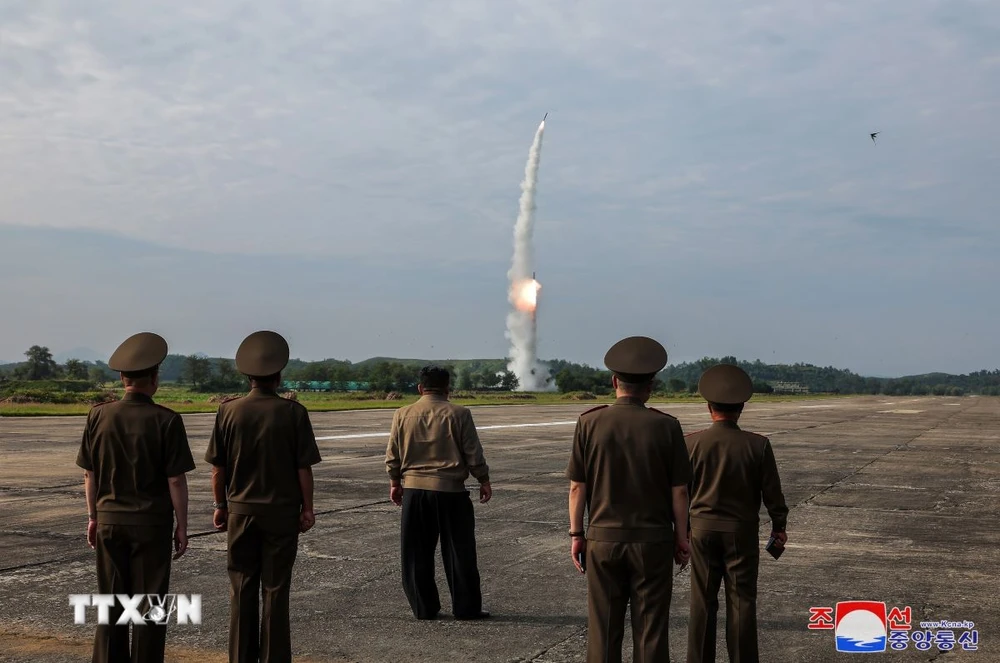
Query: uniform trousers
{"points": [[132, 559], [427, 516], [619, 574], [261, 554], [731, 558]]}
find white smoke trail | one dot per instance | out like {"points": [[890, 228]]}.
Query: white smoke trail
{"points": [[521, 331]]}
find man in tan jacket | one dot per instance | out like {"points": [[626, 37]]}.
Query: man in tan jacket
{"points": [[433, 448]]}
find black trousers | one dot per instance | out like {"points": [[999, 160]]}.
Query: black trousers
{"points": [[428, 515], [132, 559]]}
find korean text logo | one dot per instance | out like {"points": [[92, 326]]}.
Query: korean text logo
{"points": [[871, 626]]}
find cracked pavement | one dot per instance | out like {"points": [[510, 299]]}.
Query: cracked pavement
{"points": [[891, 500]]}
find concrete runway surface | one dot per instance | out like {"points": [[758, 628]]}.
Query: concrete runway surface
{"points": [[891, 500]]}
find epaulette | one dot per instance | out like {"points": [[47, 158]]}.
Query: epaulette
{"points": [[594, 409], [227, 399], [292, 400], [665, 414], [163, 407], [95, 405], [695, 432]]}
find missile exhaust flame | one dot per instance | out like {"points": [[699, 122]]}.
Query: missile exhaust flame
{"points": [[526, 296]]}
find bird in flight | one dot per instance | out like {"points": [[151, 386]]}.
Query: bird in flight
{"points": [[873, 136]]}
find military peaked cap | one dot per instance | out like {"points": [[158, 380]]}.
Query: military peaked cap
{"points": [[636, 359], [725, 384], [262, 354], [139, 352]]}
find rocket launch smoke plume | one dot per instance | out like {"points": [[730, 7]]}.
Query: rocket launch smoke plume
{"points": [[521, 329]]}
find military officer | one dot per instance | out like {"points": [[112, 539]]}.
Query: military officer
{"points": [[733, 471], [262, 452], [629, 468], [135, 455]]}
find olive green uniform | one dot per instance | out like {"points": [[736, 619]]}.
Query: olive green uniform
{"points": [[630, 457], [262, 440], [133, 446], [733, 470]]}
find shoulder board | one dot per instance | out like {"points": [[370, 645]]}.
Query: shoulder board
{"points": [[665, 414], [97, 405], [164, 407], [593, 409], [231, 398], [296, 405], [697, 432]]}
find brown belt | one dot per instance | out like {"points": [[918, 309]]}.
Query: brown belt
{"points": [[629, 535], [252, 509], [718, 525]]}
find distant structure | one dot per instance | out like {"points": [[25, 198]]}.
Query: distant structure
{"points": [[320, 385], [789, 388]]}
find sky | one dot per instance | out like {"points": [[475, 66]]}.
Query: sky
{"points": [[348, 174]]}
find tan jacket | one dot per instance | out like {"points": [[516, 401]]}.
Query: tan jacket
{"points": [[433, 445]]}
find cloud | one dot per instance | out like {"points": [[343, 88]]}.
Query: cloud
{"points": [[681, 136]]}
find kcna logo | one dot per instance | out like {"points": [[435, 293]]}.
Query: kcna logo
{"points": [[141, 609], [870, 626], [860, 626]]}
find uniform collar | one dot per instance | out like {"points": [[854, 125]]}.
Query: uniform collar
{"points": [[726, 423], [137, 397], [433, 397], [629, 400], [258, 392]]}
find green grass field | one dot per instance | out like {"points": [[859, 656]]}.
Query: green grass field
{"points": [[186, 401]]}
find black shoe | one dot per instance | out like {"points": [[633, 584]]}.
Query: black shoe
{"points": [[482, 614]]}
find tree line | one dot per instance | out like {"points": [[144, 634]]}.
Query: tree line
{"points": [[40, 365], [204, 373]]}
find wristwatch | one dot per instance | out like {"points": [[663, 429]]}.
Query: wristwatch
{"points": [[220, 505], [575, 534]]}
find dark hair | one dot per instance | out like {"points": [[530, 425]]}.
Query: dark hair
{"points": [[727, 408], [634, 386], [138, 375], [434, 378]]}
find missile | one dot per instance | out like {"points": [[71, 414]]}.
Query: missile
{"points": [[544, 116], [533, 274]]}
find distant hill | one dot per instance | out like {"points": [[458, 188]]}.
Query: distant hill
{"points": [[475, 373], [83, 354], [420, 363]]}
